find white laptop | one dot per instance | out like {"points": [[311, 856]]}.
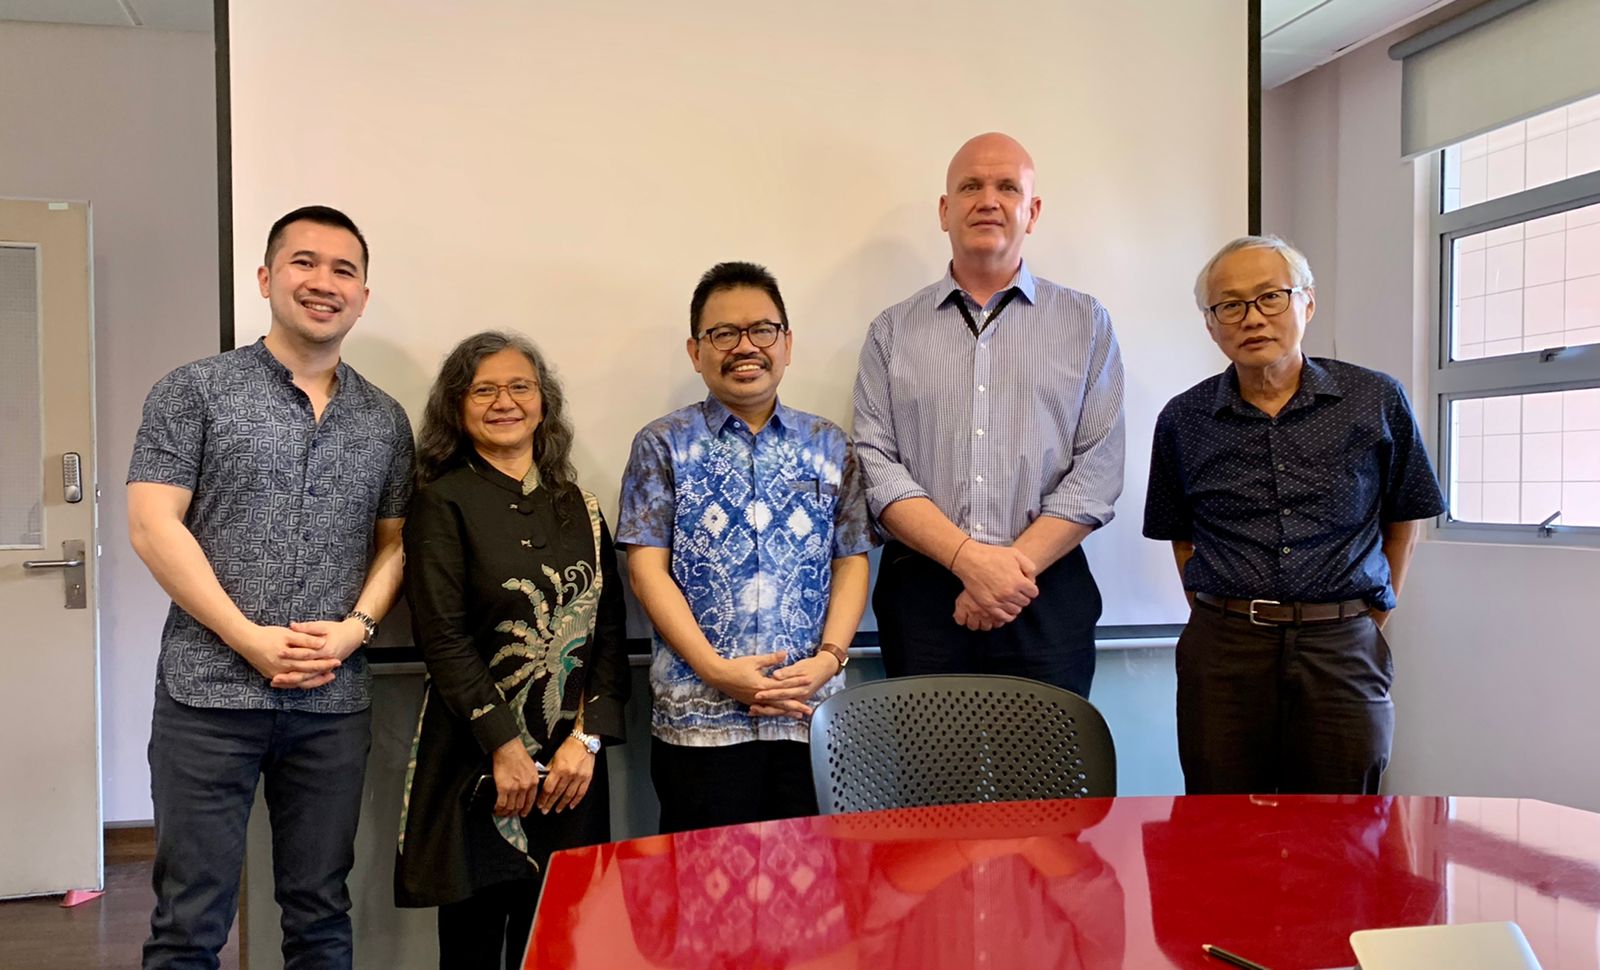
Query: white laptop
{"points": [[1459, 946]]}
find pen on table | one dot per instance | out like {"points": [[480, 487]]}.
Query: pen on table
{"points": [[1219, 953]]}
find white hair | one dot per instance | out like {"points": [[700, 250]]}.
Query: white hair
{"points": [[1299, 268]]}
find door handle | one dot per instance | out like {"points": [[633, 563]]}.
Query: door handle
{"points": [[71, 563]]}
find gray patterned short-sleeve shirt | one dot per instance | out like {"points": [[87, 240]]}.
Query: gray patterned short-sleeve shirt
{"points": [[284, 508]]}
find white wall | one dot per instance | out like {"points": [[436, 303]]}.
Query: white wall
{"points": [[1496, 651], [578, 194], [125, 119]]}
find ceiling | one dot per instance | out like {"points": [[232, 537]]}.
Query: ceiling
{"points": [[1296, 35], [193, 15]]}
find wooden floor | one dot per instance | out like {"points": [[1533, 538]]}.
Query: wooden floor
{"points": [[37, 934]]}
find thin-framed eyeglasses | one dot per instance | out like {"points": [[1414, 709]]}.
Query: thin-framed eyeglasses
{"points": [[762, 334], [1231, 313], [521, 391]]}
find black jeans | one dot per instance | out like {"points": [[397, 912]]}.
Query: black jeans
{"points": [[756, 781], [1051, 640], [489, 929], [204, 766], [1292, 709]]}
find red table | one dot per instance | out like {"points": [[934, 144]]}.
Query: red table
{"points": [[1099, 883]]}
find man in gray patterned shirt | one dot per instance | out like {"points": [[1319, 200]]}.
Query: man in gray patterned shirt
{"points": [[989, 430], [266, 494]]}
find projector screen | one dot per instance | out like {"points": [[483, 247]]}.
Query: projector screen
{"points": [[569, 170]]}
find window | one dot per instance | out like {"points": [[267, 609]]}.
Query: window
{"points": [[1517, 227]]}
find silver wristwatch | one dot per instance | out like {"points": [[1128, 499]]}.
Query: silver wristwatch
{"points": [[590, 742], [367, 623]]}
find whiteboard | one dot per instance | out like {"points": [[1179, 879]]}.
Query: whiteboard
{"points": [[569, 170]]}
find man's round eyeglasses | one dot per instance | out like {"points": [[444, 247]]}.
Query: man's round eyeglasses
{"points": [[1231, 313], [762, 334], [520, 391]]}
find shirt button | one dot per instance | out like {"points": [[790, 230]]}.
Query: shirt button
{"points": [[1285, 550], [1280, 467], [1285, 511], [977, 478], [977, 527], [979, 432], [981, 388]]}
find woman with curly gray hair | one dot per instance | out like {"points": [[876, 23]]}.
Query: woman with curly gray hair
{"points": [[512, 582]]}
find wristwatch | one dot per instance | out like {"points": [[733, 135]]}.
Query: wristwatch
{"points": [[839, 653], [367, 622], [590, 742]]}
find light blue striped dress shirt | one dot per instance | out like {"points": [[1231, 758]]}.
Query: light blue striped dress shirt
{"points": [[1023, 421]]}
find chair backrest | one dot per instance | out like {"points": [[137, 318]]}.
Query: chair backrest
{"points": [[950, 738]]}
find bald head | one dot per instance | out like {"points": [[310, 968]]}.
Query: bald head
{"points": [[988, 206], [991, 147]]}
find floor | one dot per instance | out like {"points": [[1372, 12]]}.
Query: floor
{"points": [[37, 934]]}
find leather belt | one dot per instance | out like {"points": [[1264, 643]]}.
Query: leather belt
{"points": [[1276, 613]]}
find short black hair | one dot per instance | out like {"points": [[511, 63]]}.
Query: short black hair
{"points": [[322, 215], [733, 276]]}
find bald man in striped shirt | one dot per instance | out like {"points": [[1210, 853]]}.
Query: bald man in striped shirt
{"points": [[989, 429]]}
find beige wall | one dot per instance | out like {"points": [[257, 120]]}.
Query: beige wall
{"points": [[124, 119], [1495, 645]]}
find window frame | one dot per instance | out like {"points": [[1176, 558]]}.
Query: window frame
{"points": [[1528, 372]]}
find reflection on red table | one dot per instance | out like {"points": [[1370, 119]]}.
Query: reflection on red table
{"points": [[1097, 883]]}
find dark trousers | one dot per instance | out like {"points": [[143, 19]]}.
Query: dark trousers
{"points": [[756, 781], [1292, 709], [204, 766], [490, 929], [1051, 640]]}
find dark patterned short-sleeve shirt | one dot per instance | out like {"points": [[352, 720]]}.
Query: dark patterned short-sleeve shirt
{"points": [[284, 508], [1290, 507], [754, 522]]}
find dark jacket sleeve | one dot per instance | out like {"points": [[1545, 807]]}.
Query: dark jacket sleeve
{"points": [[436, 592], [606, 692]]}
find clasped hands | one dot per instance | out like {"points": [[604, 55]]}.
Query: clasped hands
{"points": [[520, 787], [998, 581], [301, 656], [769, 692]]}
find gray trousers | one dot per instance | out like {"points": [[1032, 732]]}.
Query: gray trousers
{"points": [[1291, 709]]}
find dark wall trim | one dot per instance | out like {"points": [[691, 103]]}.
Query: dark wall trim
{"points": [[1253, 112], [219, 18]]}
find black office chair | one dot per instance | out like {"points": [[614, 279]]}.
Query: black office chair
{"points": [[950, 738]]}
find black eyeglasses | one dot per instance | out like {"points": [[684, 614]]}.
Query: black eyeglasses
{"points": [[762, 334], [521, 391], [1231, 313]]}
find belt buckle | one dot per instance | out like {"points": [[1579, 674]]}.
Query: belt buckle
{"points": [[1252, 613]]}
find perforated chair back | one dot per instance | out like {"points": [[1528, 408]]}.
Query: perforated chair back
{"points": [[946, 739]]}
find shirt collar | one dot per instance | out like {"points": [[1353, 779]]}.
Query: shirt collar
{"points": [[1023, 281], [717, 415], [274, 366], [1315, 381]]}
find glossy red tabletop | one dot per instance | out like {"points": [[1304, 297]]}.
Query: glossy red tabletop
{"points": [[1099, 883]]}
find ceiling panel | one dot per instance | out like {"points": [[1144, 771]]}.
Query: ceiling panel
{"points": [[99, 13], [191, 15], [186, 15]]}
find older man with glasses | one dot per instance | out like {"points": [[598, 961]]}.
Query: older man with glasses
{"points": [[746, 527], [1292, 490]]}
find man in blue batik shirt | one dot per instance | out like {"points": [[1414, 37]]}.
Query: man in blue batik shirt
{"points": [[746, 530], [1292, 489], [266, 494]]}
